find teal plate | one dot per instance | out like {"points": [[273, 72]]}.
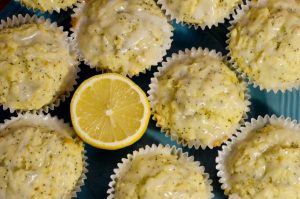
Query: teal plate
{"points": [[102, 163]]}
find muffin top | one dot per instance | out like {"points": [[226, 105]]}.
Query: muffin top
{"points": [[36, 66], [265, 44], [48, 5], [265, 164], [124, 36], [158, 174], [38, 163], [200, 12], [198, 99]]}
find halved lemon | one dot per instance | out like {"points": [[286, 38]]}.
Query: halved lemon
{"points": [[109, 111]]}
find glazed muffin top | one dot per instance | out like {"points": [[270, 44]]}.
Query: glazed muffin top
{"points": [[265, 43], [122, 36], [199, 12], [39, 163], [48, 5], [265, 164], [198, 99], [36, 66], [159, 174]]}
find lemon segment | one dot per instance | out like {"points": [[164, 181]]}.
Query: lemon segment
{"points": [[109, 111]]}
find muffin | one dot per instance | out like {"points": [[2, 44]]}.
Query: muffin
{"points": [[123, 36], [40, 159], [199, 13], [37, 65], [264, 42], [263, 161], [197, 99], [48, 5], [160, 172]]}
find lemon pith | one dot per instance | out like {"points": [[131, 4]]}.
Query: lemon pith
{"points": [[109, 111]]}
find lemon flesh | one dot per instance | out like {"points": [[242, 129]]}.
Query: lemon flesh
{"points": [[109, 111]]}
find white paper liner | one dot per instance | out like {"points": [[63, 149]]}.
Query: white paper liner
{"points": [[236, 17], [172, 16], [18, 20], [168, 63], [167, 149], [75, 28], [49, 11], [255, 124], [52, 123]]}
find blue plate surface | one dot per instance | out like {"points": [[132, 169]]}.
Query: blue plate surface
{"points": [[102, 163]]}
